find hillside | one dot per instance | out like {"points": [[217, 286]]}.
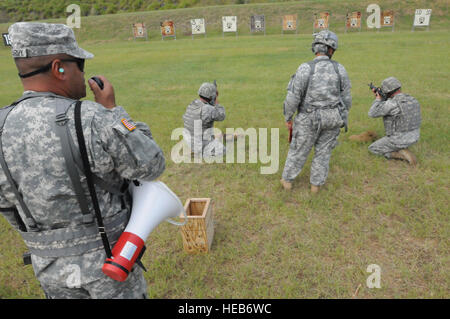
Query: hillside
{"points": [[118, 26]]}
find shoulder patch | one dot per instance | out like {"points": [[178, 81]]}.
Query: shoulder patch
{"points": [[130, 126]]}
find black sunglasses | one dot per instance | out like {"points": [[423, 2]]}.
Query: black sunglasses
{"points": [[79, 62]]}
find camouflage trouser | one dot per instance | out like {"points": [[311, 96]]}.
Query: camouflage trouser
{"points": [[306, 135], [385, 146], [81, 277], [134, 287]]}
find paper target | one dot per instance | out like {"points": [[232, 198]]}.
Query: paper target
{"points": [[422, 17], [198, 26], [229, 24]]}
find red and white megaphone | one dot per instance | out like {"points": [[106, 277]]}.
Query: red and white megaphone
{"points": [[153, 202]]}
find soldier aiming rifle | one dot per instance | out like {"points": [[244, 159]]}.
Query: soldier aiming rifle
{"points": [[401, 118]]}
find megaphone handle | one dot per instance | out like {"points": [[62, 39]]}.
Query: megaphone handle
{"points": [[177, 223]]}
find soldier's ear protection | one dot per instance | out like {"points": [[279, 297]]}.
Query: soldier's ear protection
{"points": [[60, 69]]}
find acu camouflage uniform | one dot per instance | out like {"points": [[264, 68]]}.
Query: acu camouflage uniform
{"points": [[318, 120], [199, 121], [401, 118], [67, 253]]}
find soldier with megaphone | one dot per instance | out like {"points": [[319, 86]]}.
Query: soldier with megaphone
{"points": [[66, 165]]}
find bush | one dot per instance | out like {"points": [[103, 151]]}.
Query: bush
{"points": [[154, 6], [112, 8]]}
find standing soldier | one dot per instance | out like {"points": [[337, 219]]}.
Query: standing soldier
{"points": [[42, 183], [320, 94], [199, 121], [401, 117]]}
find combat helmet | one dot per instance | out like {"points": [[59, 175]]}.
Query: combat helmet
{"points": [[326, 37], [208, 91], [390, 84]]}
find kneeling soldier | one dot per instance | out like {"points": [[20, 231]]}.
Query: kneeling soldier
{"points": [[401, 117], [199, 121]]}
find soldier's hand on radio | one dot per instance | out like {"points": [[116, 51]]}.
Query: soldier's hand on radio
{"points": [[103, 96]]}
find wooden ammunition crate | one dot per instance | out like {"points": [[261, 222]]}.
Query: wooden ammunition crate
{"points": [[198, 232]]}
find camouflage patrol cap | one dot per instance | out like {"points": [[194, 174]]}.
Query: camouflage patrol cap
{"points": [[30, 39], [326, 37], [208, 90], [390, 84]]}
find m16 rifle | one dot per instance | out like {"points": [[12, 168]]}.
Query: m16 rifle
{"points": [[378, 90], [217, 91]]}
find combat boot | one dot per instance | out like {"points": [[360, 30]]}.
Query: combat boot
{"points": [[405, 155], [286, 185], [314, 189]]}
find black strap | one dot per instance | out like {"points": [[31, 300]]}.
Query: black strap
{"points": [[45, 68], [89, 178], [117, 265], [139, 261]]}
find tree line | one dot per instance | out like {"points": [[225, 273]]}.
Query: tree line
{"points": [[31, 10]]}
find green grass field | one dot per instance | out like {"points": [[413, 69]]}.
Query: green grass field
{"points": [[269, 243]]}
